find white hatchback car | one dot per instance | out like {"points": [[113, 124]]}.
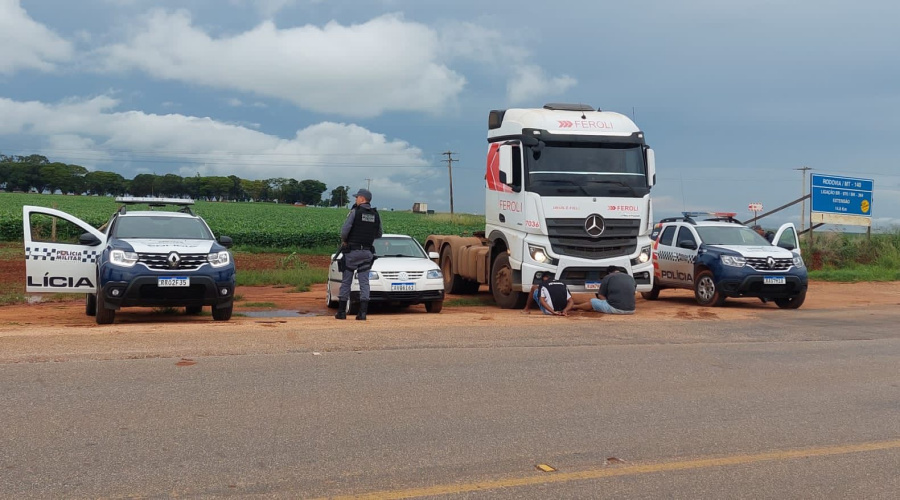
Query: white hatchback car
{"points": [[402, 274]]}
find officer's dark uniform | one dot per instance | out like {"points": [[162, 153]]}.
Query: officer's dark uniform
{"points": [[359, 231]]}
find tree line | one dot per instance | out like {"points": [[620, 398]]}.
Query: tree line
{"points": [[35, 173]]}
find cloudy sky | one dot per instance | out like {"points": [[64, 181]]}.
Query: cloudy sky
{"points": [[733, 96]]}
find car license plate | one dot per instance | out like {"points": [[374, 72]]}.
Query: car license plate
{"points": [[592, 285], [403, 287], [774, 280], [169, 281]]}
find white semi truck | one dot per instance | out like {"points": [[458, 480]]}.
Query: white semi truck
{"points": [[567, 192]]}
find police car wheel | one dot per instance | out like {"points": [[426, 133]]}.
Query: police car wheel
{"points": [[104, 316], [90, 304], [792, 302], [653, 294], [705, 290], [222, 313]]}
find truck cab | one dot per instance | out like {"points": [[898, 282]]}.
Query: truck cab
{"points": [[567, 192]]}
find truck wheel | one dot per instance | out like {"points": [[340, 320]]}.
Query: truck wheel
{"points": [[104, 316], [434, 306], [193, 309], [502, 284], [90, 304], [653, 294], [223, 313], [705, 290], [792, 302], [453, 283]]}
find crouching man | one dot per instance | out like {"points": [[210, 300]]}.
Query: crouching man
{"points": [[552, 297], [616, 294]]}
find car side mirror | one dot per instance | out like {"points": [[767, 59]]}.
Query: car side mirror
{"points": [[225, 241], [434, 255], [88, 239], [786, 246], [688, 244]]}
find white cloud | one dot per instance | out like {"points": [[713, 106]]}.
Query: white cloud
{"points": [[531, 82], [28, 44], [360, 70], [94, 134]]}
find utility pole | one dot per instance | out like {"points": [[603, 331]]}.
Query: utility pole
{"points": [[803, 203], [368, 183], [450, 161]]}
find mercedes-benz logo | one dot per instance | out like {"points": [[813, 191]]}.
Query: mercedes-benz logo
{"points": [[594, 226], [771, 262], [173, 259]]}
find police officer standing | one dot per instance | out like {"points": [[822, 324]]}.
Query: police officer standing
{"points": [[359, 231]]}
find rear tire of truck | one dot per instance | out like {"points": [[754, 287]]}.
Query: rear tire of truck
{"points": [[705, 290], [453, 283], [435, 306], [90, 304], [792, 302], [653, 294], [223, 313], [104, 316], [502, 284]]}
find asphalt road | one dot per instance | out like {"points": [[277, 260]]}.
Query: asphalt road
{"points": [[796, 406]]}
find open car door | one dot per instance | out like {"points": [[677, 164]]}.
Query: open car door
{"points": [[61, 252], [786, 237]]}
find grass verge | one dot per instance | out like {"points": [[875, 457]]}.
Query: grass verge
{"points": [[299, 278], [853, 274]]}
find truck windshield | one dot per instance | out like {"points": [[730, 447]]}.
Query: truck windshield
{"points": [[587, 169]]}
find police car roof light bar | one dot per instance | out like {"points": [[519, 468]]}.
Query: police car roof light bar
{"points": [[155, 202]]}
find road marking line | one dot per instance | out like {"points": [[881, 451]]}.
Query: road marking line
{"points": [[631, 470]]}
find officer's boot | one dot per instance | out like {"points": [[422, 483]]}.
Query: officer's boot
{"points": [[342, 310], [363, 308]]}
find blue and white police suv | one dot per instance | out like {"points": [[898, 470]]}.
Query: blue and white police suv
{"points": [[718, 257], [151, 258]]}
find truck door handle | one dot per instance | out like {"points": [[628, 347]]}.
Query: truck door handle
{"points": [[502, 218]]}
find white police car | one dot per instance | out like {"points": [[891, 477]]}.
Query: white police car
{"points": [[152, 258], [402, 274], [718, 257]]}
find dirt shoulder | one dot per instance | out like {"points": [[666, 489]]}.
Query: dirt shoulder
{"points": [[61, 331]]}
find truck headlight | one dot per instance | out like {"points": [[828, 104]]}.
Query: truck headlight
{"points": [[539, 255], [434, 274], [123, 258], [798, 261], [642, 257], [219, 259], [733, 260]]}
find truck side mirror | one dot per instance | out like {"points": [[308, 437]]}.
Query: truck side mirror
{"points": [[651, 168]]}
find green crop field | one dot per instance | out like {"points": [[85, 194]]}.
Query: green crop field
{"points": [[256, 225]]}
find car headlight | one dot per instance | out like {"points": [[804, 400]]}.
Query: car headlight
{"points": [[642, 257], [219, 259], [798, 261], [434, 274], [123, 258], [733, 260], [373, 275], [539, 254]]}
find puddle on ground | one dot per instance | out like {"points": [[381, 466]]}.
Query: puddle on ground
{"points": [[279, 313]]}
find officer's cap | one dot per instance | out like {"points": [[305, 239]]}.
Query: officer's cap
{"points": [[365, 193]]}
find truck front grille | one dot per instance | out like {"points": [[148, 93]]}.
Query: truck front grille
{"points": [[568, 237]]}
